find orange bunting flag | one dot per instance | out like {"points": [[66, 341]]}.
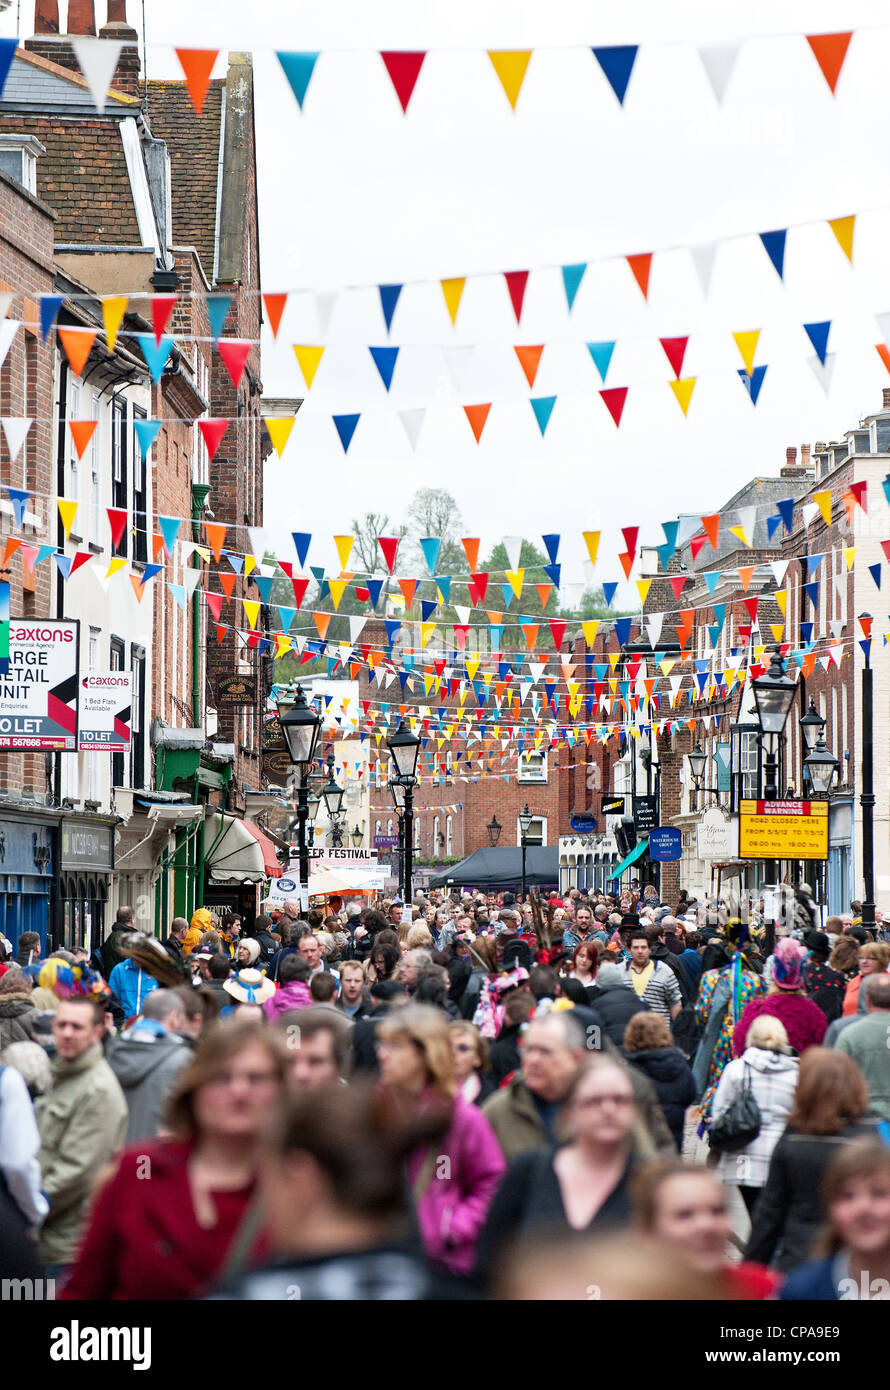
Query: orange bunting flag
{"points": [[544, 592], [529, 361], [216, 535], [82, 432], [830, 50], [746, 574], [711, 527], [641, 266], [274, 305], [138, 586], [884, 354], [227, 583], [627, 562], [78, 343], [322, 623], [530, 633], [407, 587], [471, 550], [197, 65], [477, 416]]}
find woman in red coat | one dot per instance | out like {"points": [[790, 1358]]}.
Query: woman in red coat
{"points": [[162, 1225]]}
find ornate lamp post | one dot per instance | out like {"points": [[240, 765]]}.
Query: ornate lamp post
{"points": [[300, 727]]}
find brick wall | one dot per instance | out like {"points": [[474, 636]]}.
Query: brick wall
{"points": [[26, 389]]}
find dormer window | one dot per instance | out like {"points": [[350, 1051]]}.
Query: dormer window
{"points": [[18, 159]]}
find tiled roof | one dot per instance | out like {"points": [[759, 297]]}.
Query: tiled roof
{"points": [[193, 144]]}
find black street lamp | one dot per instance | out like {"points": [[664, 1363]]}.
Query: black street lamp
{"points": [[333, 794], [820, 768], [812, 727], [867, 797], [696, 760], [494, 829], [300, 727], [358, 836], [773, 697], [397, 791], [404, 747], [525, 822]]}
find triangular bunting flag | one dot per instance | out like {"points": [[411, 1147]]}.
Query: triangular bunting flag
{"points": [[15, 432], [77, 343], [82, 432], [274, 305], [453, 290], [50, 304], [234, 352], [477, 416], [675, 351], [614, 398], [385, 361], [517, 281], [345, 426], [511, 68], [216, 535], [389, 545], [344, 546], [683, 391], [617, 63], [753, 382], [162, 306], [703, 257], [117, 520], [471, 550], [389, 298], [543, 408], [529, 361], [774, 246], [279, 429], [67, 511], [298, 69], [718, 61], [404, 70], [197, 65], [830, 50], [412, 423], [641, 265], [602, 356], [308, 357], [113, 310], [572, 275], [212, 432], [818, 336], [156, 354], [218, 306], [824, 371], [843, 228], [97, 59]]}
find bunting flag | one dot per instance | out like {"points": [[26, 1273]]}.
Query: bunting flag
{"points": [[830, 50], [212, 432], [703, 258], [452, 291], [18, 496], [308, 358], [412, 423], [602, 357], [156, 354], [146, 434], [67, 512], [113, 309], [344, 546], [511, 68], [641, 266], [117, 520], [675, 352], [477, 416], [404, 70], [774, 246], [818, 336], [15, 432], [718, 61], [529, 361], [517, 280], [279, 429], [82, 432], [162, 306], [617, 64], [389, 545], [747, 345], [843, 228], [7, 53], [471, 550], [572, 275], [385, 361], [97, 59], [302, 540], [711, 525], [78, 344], [8, 330], [389, 298], [430, 546], [197, 65], [614, 398], [752, 382], [345, 426], [592, 541], [215, 532], [234, 353], [298, 69], [543, 408], [218, 306], [169, 531], [683, 391], [274, 305], [50, 304]]}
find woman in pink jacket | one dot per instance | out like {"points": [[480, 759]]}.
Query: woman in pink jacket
{"points": [[454, 1180]]}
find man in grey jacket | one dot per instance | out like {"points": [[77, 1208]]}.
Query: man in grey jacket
{"points": [[147, 1060]]}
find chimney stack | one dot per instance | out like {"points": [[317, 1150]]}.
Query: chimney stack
{"points": [[790, 456], [805, 457], [128, 72], [46, 17], [81, 17], [46, 22], [792, 468]]}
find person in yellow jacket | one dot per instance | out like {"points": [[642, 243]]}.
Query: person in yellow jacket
{"points": [[199, 924]]}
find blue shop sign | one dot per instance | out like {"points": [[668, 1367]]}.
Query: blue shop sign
{"points": [[25, 849], [665, 844], [583, 824]]}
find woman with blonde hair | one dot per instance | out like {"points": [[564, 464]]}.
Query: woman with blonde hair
{"points": [[453, 1181], [163, 1224], [873, 959], [419, 937], [769, 1071]]}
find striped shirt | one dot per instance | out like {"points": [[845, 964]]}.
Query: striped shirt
{"points": [[662, 993]]}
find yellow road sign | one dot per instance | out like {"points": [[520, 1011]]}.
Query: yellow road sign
{"points": [[783, 830]]}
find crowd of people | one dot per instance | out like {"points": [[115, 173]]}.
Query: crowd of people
{"points": [[466, 1096]]}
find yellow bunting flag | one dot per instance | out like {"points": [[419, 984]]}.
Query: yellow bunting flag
{"points": [[453, 290], [426, 632], [823, 502], [740, 532], [308, 359], [778, 631], [344, 546], [251, 608], [511, 68], [850, 555], [336, 587], [747, 346], [590, 630], [683, 391], [666, 666], [116, 563], [279, 431], [113, 310], [592, 541], [282, 644], [472, 665], [67, 511], [644, 585], [249, 565], [843, 228], [514, 579], [782, 600]]}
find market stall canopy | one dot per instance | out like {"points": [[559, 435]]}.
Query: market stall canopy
{"points": [[501, 867], [237, 851]]}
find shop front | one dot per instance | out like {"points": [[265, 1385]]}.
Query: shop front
{"points": [[85, 868], [238, 857], [27, 865]]}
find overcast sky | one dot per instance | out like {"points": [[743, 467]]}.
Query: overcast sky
{"points": [[354, 193]]}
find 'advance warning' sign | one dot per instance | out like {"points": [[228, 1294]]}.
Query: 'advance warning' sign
{"points": [[783, 830]]}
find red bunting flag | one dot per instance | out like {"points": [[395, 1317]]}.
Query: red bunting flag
{"points": [[676, 582], [300, 585], [479, 586], [516, 283], [80, 558], [859, 490], [830, 50], [558, 628], [162, 306], [630, 534], [275, 306], [197, 65], [214, 603], [221, 631], [696, 544], [404, 70], [751, 604], [212, 432], [675, 351], [641, 265], [234, 352], [614, 398], [117, 520], [389, 545]]}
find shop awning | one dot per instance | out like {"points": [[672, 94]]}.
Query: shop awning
{"points": [[636, 853], [238, 852], [501, 867]]}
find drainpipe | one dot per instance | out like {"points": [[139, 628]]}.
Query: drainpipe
{"points": [[200, 493]]}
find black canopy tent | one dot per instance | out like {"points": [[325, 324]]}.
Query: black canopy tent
{"points": [[502, 868]]}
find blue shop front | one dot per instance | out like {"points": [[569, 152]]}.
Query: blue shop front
{"points": [[28, 840]]}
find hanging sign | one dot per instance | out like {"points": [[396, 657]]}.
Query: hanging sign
{"points": [[106, 702], [645, 813], [717, 837], [665, 844], [38, 695], [783, 829], [236, 690]]}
